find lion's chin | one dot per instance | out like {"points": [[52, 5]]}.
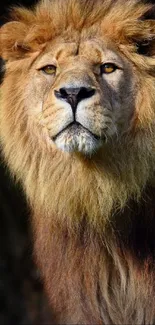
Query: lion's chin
{"points": [[76, 138]]}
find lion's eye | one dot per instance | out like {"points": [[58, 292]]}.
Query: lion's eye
{"points": [[49, 69], [108, 68]]}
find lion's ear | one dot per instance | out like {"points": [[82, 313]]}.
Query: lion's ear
{"points": [[146, 44], [146, 47], [12, 36]]}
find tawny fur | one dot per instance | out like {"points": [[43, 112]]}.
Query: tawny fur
{"points": [[93, 217]]}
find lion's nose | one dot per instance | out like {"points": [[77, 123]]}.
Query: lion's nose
{"points": [[74, 95]]}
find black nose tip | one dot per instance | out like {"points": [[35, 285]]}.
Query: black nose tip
{"points": [[74, 95]]}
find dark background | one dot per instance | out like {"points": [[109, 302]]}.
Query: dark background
{"points": [[5, 5], [22, 300]]}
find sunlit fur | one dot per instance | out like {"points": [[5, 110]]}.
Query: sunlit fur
{"points": [[86, 209]]}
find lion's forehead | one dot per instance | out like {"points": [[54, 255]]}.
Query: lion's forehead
{"points": [[94, 51]]}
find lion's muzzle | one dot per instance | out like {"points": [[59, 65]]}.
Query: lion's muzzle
{"points": [[75, 136]]}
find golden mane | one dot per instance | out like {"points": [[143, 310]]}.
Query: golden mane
{"points": [[84, 208], [124, 24]]}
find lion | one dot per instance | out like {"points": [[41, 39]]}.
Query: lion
{"points": [[77, 129]]}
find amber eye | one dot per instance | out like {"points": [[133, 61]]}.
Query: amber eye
{"points": [[108, 68], [49, 69]]}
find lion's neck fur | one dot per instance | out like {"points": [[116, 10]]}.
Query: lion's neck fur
{"points": [[70, 187], [97, 273], [104, 278]]}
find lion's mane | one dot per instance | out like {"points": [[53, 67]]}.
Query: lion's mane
{"points": [[93, 218]]}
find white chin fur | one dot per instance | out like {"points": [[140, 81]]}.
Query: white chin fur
{"points": [[85, 143]]}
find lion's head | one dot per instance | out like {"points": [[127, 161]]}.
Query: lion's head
{"points": [[84, 92], [78, 99]]}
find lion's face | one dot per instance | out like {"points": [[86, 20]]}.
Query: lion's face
{"points": [[84, 93]]}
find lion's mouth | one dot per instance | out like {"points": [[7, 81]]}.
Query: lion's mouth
{"points": [[75, 128], [77, 138]]}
